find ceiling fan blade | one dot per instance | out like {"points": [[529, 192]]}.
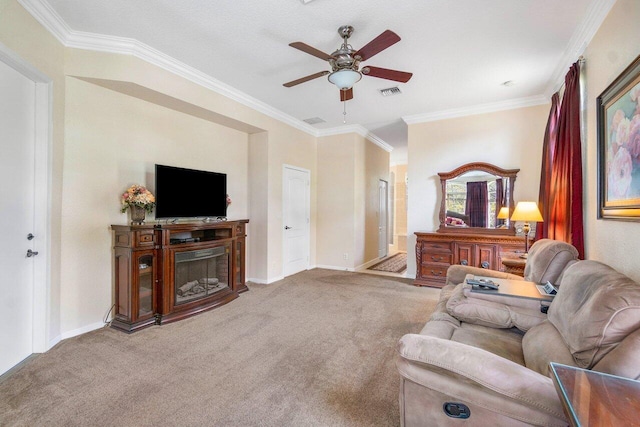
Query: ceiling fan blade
{"points": [[305, 79], [346, 95], [384, 73], [311, 50], [377, 45]]}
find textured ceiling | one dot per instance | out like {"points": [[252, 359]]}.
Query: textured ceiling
{"points": [[460, 52]]}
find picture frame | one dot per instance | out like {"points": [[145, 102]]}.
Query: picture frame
{"points": [[618, 128]]}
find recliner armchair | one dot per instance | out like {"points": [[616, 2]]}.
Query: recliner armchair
{"points": [[501, 373]]}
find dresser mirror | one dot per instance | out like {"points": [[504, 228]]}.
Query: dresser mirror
{"points": [[472, 198]]}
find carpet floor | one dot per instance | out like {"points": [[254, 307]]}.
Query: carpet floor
{"points": [[314, 349]]}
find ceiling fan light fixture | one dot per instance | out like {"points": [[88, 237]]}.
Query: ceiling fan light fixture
{"points": [[345, 79]]}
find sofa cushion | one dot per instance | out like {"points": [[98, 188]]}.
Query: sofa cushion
{"points": [[595, 308], [547, 259], [543, 344]]}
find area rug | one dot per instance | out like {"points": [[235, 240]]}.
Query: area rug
{"points": [[315, 349], [394, 264]]}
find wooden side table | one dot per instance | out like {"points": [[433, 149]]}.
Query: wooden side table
{"points": [[591, 398], [514, 265]]}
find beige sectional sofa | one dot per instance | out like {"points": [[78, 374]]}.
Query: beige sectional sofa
{"points": [[497, 364]]}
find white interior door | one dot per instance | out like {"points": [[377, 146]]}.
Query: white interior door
{"points": [[17, 207], [295, 220], [383, 218]]}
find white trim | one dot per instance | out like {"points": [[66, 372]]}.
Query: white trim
{"points": [[581, 38], [307, 212], [82, 330], [477, 109], [333, 267], [42, 197], [50, 19], [265, 282], [360, 130]]}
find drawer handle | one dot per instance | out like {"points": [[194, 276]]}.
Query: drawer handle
{"points": [[436, 258], [436, 273], [464, 262], [484, 264]]}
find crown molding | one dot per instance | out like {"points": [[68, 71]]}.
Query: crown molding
{"points": [[477, 109], [50, 19], [357, 129], [579, 41]]}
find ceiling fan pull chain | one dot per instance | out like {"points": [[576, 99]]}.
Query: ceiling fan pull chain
{"points": [[344, 113]]}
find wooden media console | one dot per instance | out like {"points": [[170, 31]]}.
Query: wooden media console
{"points": [[166, 272]]}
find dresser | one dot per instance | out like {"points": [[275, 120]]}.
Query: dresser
{"points": [[435, 252]]}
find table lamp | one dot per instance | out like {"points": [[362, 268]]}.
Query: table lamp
{"points": [[527, 212], [503, 214]]}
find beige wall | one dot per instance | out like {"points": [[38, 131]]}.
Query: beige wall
{"points": [[114, 138], [112, 141], [24, 36], [336, 201], [613, 48], [349, 168], [509, 139], [376, 168], [400, 209]]}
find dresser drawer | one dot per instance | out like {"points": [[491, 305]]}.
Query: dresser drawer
{"points": [[432, 272], [437, 257], [429, 247]]}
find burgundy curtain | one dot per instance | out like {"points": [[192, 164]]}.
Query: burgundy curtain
{"points": [[548, 150], [562, 166], [476, 207], [499, 197]]}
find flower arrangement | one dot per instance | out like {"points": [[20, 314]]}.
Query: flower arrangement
{"points": [[139, 196]]}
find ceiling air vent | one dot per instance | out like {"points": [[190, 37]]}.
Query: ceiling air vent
{"points": [[390, 91], [314, 120]]}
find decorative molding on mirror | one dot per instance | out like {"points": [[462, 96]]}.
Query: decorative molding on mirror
{"points": [[509, 174]]}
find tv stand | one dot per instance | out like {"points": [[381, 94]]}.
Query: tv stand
{"points": [[167, 272]]}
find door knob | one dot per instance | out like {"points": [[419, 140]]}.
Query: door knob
{"points": [[286, 227], [30, 236], [31, 253]]}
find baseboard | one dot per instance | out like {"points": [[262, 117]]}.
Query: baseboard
{"points": [[82, 330], [265, 282], [54, 342], [370, 263], [333, 267]]}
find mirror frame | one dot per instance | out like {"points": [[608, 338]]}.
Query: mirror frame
{"points": [[485, 167]]}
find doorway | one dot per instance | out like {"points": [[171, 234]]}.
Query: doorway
{"points": [[296, 219], [383, 218], [25, 129]]}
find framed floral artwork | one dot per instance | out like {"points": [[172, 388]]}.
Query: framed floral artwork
{"points": [[618, 125]]}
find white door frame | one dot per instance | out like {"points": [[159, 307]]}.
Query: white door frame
{"points": [[42, 202], [308, 223], [384, 209]]}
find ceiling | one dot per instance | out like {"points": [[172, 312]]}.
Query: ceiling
{"points": [[460, 52]]}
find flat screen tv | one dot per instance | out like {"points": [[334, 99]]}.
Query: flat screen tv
{"points": [[190, 193]]}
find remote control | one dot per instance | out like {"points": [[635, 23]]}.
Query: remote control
{"points": [[486, 284]]}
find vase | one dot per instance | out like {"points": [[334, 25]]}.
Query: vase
{"points": [[137, 215]]}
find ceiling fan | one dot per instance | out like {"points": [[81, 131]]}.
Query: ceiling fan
{"points": [[345, 62]]}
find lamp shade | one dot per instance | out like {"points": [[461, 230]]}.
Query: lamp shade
{"points": [[345, 79], [504, 213], [527, 211]]}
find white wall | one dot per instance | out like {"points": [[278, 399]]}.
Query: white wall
{"points": [[613, 48], [510, 139]]}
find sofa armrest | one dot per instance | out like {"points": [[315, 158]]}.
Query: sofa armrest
{"points": [[480, 378], [457, 273]]}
